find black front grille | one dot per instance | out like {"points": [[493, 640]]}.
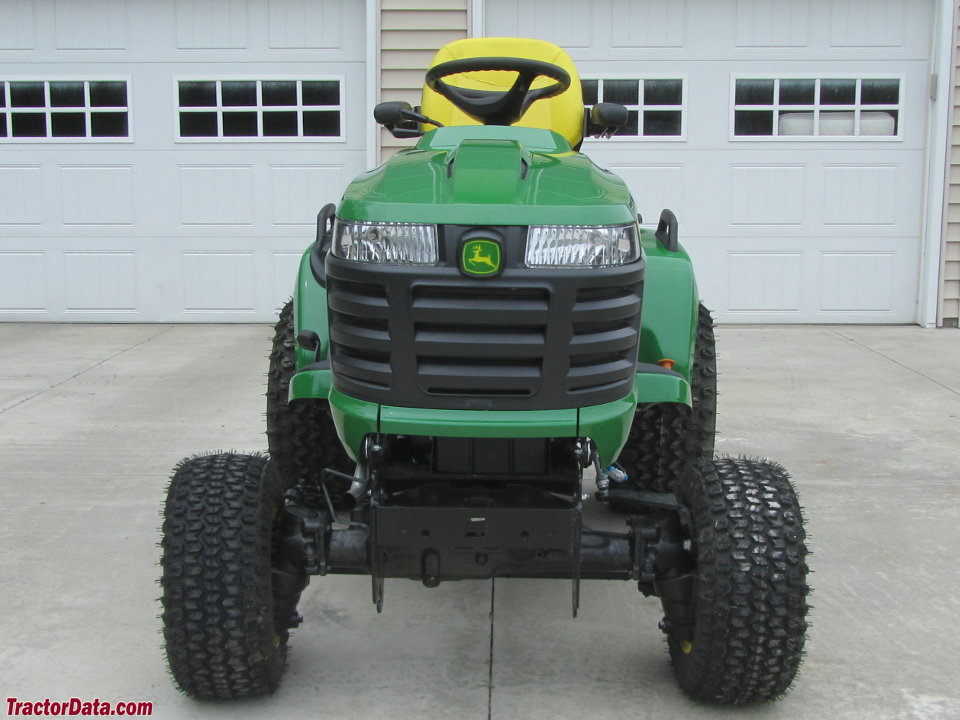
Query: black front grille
{"points": [[526, 339]]}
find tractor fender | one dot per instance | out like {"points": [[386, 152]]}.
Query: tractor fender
{"points": [[669, 314], [310, 312]]}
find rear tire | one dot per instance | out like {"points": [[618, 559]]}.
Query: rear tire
{"points": [[218, 608], [666, 438], [749, 599], [301, 435]]}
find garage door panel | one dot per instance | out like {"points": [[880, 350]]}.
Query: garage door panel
{"points": [[857, 281], [219, 282], [101, 282], [212, 24], [97, 194], [22, 190], [766, 195], [310, 24], [869, 23], [216, 195], [18, 23], [762, 24], [298, 192], [649, 24], [765, 281], [568, 23], [860, 195], [23, 282]]}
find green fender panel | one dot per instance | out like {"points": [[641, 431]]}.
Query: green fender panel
{"points": [[309, 312], [311, 384], [670, 308]]}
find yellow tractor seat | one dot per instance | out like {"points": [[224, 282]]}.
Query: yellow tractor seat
{"points": [[561, 113]]}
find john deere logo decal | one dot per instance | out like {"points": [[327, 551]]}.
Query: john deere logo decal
{"points": [[480, 257]]}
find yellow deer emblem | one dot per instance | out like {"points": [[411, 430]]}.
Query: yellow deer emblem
{"points": [[481, 257], [478, 259]]}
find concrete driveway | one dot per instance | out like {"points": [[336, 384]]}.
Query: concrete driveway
{"points": [[92, 418]]}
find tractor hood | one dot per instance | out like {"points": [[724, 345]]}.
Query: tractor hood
{"points": [[490, 175]]}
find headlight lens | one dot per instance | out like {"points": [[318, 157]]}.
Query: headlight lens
{"points": [[387, 243], [567, 246]]}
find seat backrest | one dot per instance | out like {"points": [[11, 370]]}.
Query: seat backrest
{"points": [[562, 113]]}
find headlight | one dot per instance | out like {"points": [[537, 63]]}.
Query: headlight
{"points": [[565, 246], [388, 243]]}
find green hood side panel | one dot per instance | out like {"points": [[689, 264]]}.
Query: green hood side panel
{"points": [[482, 175]]}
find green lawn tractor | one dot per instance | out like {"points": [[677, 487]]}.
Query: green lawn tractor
{"points": [[479, 322]]}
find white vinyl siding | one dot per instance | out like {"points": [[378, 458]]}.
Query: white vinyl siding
{"points": [[411, 32], [949, 311]]}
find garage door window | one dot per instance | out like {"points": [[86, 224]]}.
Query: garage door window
{"points": [[260, 110], [655, 105], [799, 108], [64, 110]]}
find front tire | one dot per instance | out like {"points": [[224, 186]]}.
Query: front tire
{"points": [[301, 436], [218, 606], [749, 599], [666, 438]]}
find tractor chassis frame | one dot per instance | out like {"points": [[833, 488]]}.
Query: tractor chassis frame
{"points": [[444, 532]]}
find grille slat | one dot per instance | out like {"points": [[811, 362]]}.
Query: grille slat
{"points": [[620, 339], [616, 308], [480, 308], [509, 379], [599, 375], [479, 342], [371, 372], [358, 337]]}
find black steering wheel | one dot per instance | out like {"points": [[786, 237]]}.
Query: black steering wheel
{"points": [[496, 107]]}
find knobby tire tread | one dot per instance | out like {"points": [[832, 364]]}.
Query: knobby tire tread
{"points": [[217, 598], [750, 597]]}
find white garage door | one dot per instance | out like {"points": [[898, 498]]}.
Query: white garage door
{"points": [[787, 136], [166, 160]]}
